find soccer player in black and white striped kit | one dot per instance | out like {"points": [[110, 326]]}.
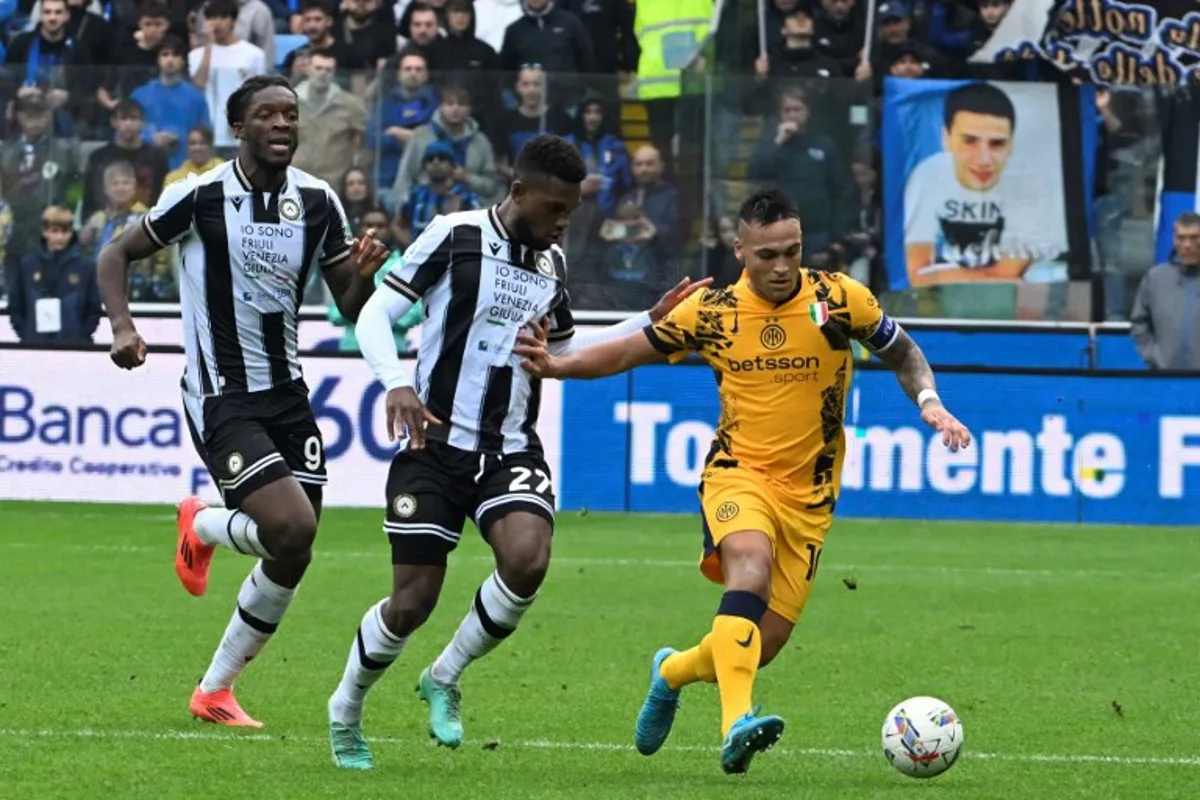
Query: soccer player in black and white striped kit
{"points": [[249, 231], [472, 450]]}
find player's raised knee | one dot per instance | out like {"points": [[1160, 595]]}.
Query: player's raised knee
{"points": [[293, 534], [523, 562], [408, 609]]}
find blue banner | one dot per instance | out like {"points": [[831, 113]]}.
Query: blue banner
{"points": [[1047, 448], [986, 181]]}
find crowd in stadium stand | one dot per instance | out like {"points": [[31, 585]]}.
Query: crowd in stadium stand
{"points": [[419, 108]]}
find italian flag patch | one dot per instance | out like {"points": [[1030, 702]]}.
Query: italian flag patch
{"points": [[818, 313]]}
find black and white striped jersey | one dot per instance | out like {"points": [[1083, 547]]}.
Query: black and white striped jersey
{"points": [[246, 256], [480, 287]]}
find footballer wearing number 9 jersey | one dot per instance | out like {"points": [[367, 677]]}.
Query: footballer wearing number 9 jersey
{"points": [[779, 341]]}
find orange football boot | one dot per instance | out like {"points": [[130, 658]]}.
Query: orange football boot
{"points": [[222, 708], [192, 556]]}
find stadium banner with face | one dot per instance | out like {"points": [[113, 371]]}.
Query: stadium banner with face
{"points": [[1119, 449], [986, 181], [73, 427], [1111, 42]]}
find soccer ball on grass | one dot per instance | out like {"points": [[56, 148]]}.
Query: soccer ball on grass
{"points": [[922, 737]]}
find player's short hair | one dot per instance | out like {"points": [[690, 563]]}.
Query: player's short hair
{"points": [[549, 156], [979, 98], [1188, 219], [58, 217], [227, 9], [239, 101], [767, 207]]}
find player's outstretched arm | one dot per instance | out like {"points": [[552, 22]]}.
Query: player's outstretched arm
{"points": [[597, 361], [112, 270], [916, 377], [638, 322]]}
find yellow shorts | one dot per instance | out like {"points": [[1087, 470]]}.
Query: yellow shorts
{"points": [[738, 500]]}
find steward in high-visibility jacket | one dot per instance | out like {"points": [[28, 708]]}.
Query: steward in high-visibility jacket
{"points": [[669, 32]]}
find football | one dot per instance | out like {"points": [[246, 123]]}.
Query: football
{"points": [[922, 737]]}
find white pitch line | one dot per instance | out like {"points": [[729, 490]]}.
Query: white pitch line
{"points": [[660, 563], [233, 737]]}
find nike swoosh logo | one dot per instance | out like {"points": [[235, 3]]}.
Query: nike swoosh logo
{"points": [[749, 639]]}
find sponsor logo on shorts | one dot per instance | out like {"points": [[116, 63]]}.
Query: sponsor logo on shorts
{"points": [[727, 511], [235, 463], [405, 505], [772, 337]]}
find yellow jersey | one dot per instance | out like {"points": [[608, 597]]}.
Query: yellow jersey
{"points": [[782, 373]]}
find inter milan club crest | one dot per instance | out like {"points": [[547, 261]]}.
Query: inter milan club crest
{"points": [[544, 264], [727, 511], [773, 336], [289, 209], [819, 313]]}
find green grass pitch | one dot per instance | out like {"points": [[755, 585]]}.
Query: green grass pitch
{"points": [[1069, 652]]}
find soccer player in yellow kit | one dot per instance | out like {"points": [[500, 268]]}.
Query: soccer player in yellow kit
{"points": [[779, 341]]}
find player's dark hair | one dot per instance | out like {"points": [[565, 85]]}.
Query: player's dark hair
{"points": [[549, 156], [767, 207], [1188, 219], [239, 101], [221, 8], [979, 98]]}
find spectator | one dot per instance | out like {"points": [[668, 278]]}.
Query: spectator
{"points": [[452, 125], [609, 24], [149, 162], [334, 122], [796, 56], [150, 280], [1165, 322], [222, 63], [895, 37], [421, 26], [549, 37], [44, 52], [200, 158], [358, 196], [442, 191], [316, 22], [840, 31], [173, 106], [54, 296], [254, 24], [459, 51], [492, 18], [957, 31], [365, 31], [808, 167], [608, 178], [91, 35], [643, 234], [135, 58], [531, 117], [406, 105], [35, 170], [721, 263], [376, 219]]}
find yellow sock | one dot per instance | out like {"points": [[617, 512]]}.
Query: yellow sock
{"points": [[690, 666], [736, 649]]}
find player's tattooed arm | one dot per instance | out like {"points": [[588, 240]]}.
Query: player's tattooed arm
{"points": [[916, 377], [112, 272], [906, 359]]}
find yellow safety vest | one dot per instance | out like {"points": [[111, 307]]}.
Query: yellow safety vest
{"points": [[669, 33]]}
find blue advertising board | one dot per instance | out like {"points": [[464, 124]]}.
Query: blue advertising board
{"points": [[1055, 448]]}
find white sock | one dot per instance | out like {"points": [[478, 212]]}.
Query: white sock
{"points": [[232, 529], [493, 616], [260, 606], [373, 651]]}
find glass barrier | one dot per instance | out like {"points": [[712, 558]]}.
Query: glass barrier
{"points": [[666, 173]]}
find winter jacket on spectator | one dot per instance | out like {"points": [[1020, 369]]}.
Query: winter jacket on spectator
{"points": [[472, 151], [397, 110], [34, 175], [840, 39], [551, 37], [809, 168], [492, 18], [610, 24], [66, 275], [607, 157]]}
